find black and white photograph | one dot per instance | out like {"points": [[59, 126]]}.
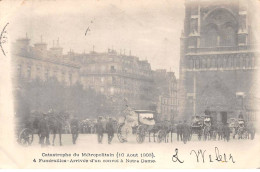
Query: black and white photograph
{"points": [[122, 84]]}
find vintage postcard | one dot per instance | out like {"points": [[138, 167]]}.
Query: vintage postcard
{"points": [[129, 84]]}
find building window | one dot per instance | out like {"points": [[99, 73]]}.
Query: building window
{"points": [[211, 37], [228, 36]]}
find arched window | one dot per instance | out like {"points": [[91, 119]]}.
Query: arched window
{"points": [[219, 27], [228, 36], [211, 37]]}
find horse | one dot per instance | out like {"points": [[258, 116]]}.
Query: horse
{"points": [[56, 124]]}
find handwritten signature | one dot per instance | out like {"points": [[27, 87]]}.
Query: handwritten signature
{"points": [[202, 156]]}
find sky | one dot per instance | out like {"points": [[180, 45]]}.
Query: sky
{"points": [[151, 29]]}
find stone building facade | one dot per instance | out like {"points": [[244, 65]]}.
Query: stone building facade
{"points": [[217, 60], [118, 76], [124, 79], [166, 84], [32, 62]]}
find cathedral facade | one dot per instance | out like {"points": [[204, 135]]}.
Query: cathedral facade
{"points": [[217, 60]]}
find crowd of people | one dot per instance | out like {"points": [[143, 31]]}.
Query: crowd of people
{"points": [[55, 123], [48, 124]]}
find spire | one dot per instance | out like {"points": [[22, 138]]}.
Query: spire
{"points": [[41, 38], [53, 43], [26, 36], [93, 48], [130, 53]]}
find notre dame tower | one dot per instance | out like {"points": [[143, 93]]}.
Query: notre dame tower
{"points": [[217, 60]]}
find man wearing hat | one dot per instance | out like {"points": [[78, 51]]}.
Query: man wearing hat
{"points": [[44, 130], [110, 130], [74, 124], [186, 132], [99, 129], [179, 131]]}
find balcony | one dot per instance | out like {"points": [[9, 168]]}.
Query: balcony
{"points": [[217, 49]]}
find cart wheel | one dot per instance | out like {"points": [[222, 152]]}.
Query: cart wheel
{"points": [[26, 137], [119, 133], [161, 135], [140, 134]]}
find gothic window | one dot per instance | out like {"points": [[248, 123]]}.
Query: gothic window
{"points": [[242, 23], [228, 36], [211, 37], [194, 26]]}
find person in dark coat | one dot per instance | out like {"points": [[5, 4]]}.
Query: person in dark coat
{"points": [[74, 124], [226, 132], [110, 130], [186, 132], [44, 131], [179, 131], [99, 130]]}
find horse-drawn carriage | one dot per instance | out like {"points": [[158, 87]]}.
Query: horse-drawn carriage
{"points": [[197, 126], [141, 123], [238, 127], [202, 126], [24, 135]]}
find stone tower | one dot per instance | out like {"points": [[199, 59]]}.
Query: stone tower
{"points": [[217, 60]]}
